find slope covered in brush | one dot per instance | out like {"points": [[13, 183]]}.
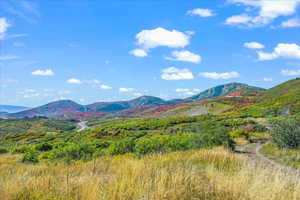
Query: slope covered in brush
{"points": [[283, 99], [290, 87]]}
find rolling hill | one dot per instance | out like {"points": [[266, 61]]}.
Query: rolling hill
{"points": [[52, 109], [122, 105], [283, 99], [287, 88], [65, 109]]}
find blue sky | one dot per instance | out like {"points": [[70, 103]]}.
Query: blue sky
{"points": [[91, 51]]}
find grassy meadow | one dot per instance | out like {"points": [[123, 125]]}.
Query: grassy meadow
{"points": [[213, 174]]}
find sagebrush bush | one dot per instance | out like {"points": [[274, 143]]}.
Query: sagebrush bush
{"points": [[44, 147], [239, 133], [121, 147], [286, 133], [22, 149], [30, 157], [73, 152], [3, 150]]}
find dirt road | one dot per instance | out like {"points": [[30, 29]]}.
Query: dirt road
{"points": [[82, 125]]}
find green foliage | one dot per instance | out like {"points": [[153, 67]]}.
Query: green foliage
{"points": [[3, 150], [101, 144], [182, 142], [280, 106], [119, 136], [121, 147], [164, 144], [287, 88], [286, 133], [14, 126], [130, 128], [21, 149], [72, 152], [239, 133], [30, 157], [44, 147]]}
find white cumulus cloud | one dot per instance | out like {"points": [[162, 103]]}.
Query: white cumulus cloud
{"points": [[126, 89], [238, 19], [185, 55], [148, 39], [290, 72], [283, 50], [173, 73], [295, 22], [139, 52], [265, 11], [105, 87], [40, 72], [225, 75], [74, 81], [253, 45], [4, 25], [202, 12]]}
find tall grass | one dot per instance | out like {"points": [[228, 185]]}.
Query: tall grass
{"points": [[212, 174]]}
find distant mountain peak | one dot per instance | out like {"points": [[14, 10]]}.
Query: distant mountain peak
{"points": [[146, 100], [223, 90]]}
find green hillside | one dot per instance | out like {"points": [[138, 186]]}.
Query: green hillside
{"points": [[290, 87], [283, 99], [14, 126], [196, 109]]}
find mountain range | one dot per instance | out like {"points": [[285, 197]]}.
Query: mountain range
{"points": [[141, 106], [242, 99]]}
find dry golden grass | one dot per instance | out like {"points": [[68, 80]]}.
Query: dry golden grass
{"points": [[215, 174]]}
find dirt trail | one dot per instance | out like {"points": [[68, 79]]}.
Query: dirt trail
{"points": [[82, 125], [252, 151]]}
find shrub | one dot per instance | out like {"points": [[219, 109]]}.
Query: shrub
{"points": [[239, 133], [150, 145], [180, 142], [73, 152], [100, 144], [21, 149], [216, 137], [286, 133], [3, 150], [44, 147], [30, 157], [121, 147]]}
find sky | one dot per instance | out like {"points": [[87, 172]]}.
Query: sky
{"points": [[92, 51]]}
